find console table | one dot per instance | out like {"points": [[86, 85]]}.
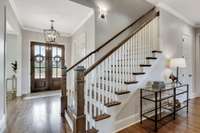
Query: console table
{"points": [[158, 104]]}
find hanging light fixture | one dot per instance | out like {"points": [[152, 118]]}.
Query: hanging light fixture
{"points": [[51, 34]]}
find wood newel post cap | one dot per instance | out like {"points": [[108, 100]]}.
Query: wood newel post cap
{"points": [[80, 68]]}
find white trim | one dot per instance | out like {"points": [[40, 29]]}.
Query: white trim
{"points": [[126, 122], [175, 13], [3, 124], [172, 11], [83, 22], [13, 6], [154, 2], [69, 121], [62, 34], [197, 63]]}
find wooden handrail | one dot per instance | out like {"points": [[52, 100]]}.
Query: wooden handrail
{"points": [[107, 42], [150, 16]]}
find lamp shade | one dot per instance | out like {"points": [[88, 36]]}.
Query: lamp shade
{"points": [[178, 62]]}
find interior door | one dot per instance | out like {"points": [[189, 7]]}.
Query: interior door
{"points": [[186, 73], [56, 63], [47, 61]]}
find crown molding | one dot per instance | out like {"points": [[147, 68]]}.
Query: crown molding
{"points": [[171, 10], [62, 34], [175, 13], [83, 22], [13, 6]]}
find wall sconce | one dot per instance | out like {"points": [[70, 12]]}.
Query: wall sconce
{"points": [[102, 14]]}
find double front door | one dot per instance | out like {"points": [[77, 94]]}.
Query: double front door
{"points": [[47, 61]]}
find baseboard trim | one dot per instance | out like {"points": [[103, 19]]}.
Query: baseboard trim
{"points": [[126, 122], [194, 95], [3, 124]]}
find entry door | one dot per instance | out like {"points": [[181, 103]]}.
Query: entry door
{"points": [[47, 61], [186, 73]]}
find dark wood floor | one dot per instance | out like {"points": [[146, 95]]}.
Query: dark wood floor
{"points": [[183, 123], [43, 116], [35, 116]]}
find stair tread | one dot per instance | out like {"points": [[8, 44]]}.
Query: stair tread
{"points": [[156, 51], [92, 130], [130, 82], [145, 65], [113, 103], [139, 73], [101, 117], [151, 58], [121, 92]]}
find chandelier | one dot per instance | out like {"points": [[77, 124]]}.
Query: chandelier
{"points": [[51, 34]]}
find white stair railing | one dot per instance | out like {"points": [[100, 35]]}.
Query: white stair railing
{"points": [[109, 75], [113, 73]]}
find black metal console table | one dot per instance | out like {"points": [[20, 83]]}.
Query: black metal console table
{"points": [[163, 102]]}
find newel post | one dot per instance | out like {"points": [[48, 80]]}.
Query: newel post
{"points": [[80, 120], [64, 92]]}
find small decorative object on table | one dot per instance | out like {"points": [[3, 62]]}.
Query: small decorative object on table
{"points": [[14, 66], [173, 78], [158, 85]]}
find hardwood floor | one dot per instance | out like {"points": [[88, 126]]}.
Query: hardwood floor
{"points": [[43, 116], [182, 124], [36, 116]]}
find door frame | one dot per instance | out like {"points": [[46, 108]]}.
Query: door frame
{"points": [[192, 60], [43, 43]]}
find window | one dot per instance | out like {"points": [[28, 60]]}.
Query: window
{"points": [[39, 62], [56, 62]]}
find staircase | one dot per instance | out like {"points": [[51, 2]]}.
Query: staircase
{"points": [[98, 91]]}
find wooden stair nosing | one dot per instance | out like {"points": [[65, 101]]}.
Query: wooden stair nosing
{"points": [[111, 104], [145, 65], [151, 58], [122, 92], [101, 117], [92, 130], [156, 51], [130, 82], [139, 73]]}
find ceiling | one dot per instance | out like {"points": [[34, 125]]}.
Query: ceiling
{"points": [[35, 15], [185, 9]]}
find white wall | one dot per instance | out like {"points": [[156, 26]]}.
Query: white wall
{"points": [[172, 30], [83, 40], [2, 91], [197, 62], [120, 14], [11, 56], [12, 19], [29, 36]]}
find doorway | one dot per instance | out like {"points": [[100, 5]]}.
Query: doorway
{"points": [[47, 61], [186, 73]]}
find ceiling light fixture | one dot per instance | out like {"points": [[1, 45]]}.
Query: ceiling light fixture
{"points": [[51, 34]]}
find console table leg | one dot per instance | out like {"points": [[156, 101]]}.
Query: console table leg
{"points": [[156, 112], [141, 106], [174, 106], [187, 99]]}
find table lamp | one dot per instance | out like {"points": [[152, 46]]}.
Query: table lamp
{"points": [[177, 63]]}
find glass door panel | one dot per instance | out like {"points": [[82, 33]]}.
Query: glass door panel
{"points": [[47, 61]]}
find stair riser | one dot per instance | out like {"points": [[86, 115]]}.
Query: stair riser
{"points": [[139, 77], [123, 97], [105, 125]]}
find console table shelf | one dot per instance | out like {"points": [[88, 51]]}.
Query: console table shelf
{"points": [[163, 102]]}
